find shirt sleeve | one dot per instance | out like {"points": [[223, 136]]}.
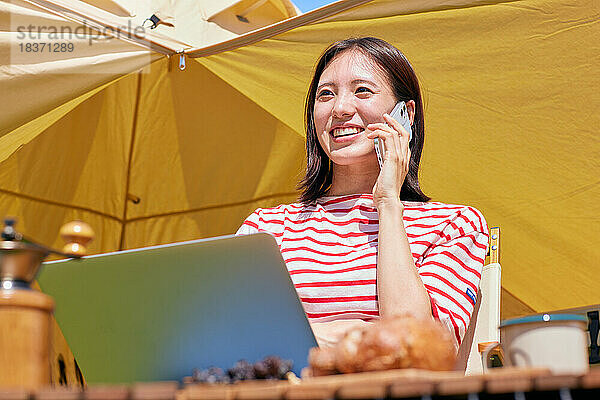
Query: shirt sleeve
{"points": [[251, 224], [451, 270]]}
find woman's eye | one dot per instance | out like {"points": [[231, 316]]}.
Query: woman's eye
{"points": [[363, 89], [324, 93]]}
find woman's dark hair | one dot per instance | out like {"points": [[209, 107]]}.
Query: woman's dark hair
{"points": [[405, 86]]}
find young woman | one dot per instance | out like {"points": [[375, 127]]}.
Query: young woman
{"points": [[364, 242]]}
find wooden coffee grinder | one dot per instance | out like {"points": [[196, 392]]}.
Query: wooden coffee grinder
{"points": [[25, 314]]}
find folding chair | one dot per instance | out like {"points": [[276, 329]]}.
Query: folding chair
{"points": [[484, 325]]}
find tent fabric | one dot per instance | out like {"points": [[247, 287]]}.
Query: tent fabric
{"points": [[183, 23], [41, 81], [511, 101], [109, 118], [35, 83]]}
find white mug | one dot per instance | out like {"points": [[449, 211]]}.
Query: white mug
{"points": [[554, 341]]}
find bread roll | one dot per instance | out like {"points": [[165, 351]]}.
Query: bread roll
{"points": [[322, 361], [399, 342]]}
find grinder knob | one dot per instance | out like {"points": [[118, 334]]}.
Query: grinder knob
{"points": [[77, 235]]}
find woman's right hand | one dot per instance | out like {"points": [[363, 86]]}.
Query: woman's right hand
{"points": [[328, 334], [395, 160]]}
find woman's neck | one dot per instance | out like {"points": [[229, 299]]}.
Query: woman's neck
{"points": [[352, 179]]}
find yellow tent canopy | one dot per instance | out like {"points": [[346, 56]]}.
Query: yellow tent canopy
{"points": [[114, 133]]}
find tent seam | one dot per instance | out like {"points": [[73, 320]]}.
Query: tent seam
{"points": [[212, 207], [247, 95], [275, 29], [59, 204], [311, 17], [101, 87], [518, 299], [420, 12]]}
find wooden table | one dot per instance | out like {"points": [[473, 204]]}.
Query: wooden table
{"points": [[504, 383]]}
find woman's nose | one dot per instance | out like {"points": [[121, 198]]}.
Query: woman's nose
{"points": [[344, 106]]}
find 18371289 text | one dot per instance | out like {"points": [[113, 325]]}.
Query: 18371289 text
{"points": [[46, 47]]}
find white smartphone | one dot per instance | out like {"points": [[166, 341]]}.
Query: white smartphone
{"points": [[400, 114]]}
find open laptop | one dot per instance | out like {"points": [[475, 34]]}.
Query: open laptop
{"points": [[159, 312]]}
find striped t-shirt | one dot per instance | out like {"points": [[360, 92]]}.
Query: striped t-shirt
{"points": [[330, 249]]}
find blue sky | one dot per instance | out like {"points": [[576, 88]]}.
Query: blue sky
{"points": [[307, 5]]}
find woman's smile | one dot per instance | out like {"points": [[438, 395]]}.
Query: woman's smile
{"points": [[345, 133]]}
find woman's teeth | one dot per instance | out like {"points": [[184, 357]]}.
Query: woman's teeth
{"points": [[337, 132]]}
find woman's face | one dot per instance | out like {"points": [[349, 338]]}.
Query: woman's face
{"points": [[352, 93]]}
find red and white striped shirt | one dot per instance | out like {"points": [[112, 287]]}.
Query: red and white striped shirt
{"points": [[330, 249]]}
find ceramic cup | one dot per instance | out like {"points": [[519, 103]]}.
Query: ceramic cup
{"points": [[554, 341]]}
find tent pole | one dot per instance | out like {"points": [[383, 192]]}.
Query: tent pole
{"points": [[129, 161], [275, 29]]}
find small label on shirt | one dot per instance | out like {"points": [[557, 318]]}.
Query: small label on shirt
{"points": [[471, 295]]}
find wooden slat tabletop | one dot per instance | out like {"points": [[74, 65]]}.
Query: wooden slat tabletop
{"points": [[591, 380], [106, 393], [456, 386], [154, 391], [14, 394], [556, 382], [309, 392], [208, 392], [266, 391], [411, 389], [58, 394], [356, 391], [395, 384]]}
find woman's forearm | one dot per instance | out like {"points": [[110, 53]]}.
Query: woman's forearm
{"points": [[399, 287], [330, 333]]}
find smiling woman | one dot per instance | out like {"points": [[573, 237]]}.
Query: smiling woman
{"points": [[364, 242]]}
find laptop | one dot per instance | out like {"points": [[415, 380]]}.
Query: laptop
{"points": [[157, 313]]}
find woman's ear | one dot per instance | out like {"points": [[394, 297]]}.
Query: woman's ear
{"points": [[410, 106]]}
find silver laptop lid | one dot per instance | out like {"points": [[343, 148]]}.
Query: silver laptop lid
{"points": [[157, 313]]}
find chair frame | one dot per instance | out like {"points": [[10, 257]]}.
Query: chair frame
{"points": [[469, 357]]}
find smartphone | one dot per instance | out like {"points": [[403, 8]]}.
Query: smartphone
{"points": [[400, 114]]}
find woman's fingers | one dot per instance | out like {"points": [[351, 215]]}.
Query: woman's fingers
{"points": [[405, 142], [402, 132], [405, 148], [392, 126], [391, 137], [396, 144], [379, 126], [396, 125]]}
